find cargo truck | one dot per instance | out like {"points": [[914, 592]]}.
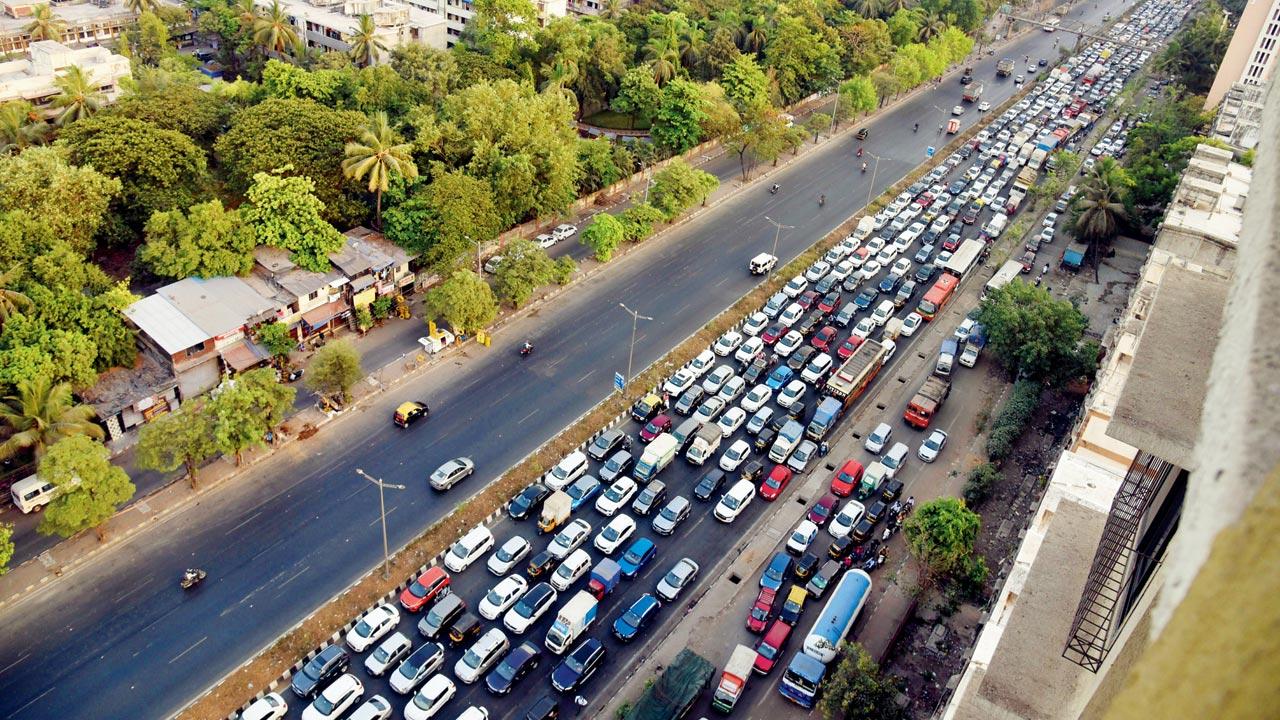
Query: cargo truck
{"points": [[1037, 158], [705, 443], [824, 418], [927, 401], [656, 457], [853, 377], [555, 511], [572, 622], [947, 357], [604, 578], [1004, 68], [788, 438], [972, 92], [672, 695], [734, 679], [1026, 179]]}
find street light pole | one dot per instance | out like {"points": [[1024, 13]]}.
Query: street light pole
{"points": [[477, 244], [777, 231], [636, 317], [382, 506], [872, 187]]}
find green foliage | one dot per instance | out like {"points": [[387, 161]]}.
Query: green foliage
{"points": [[941, 535], [364, 318], [745, 84], [525, 267], [380, 156], [42, 413], [864, 44], [381, 307], [70, 202], [603, 236], [801, 58], [979, 482], [857, 94], [904, 26], [245, 408], [6, 547], [638, 221], [677, 124], [602, 164], [207, 241], [856, 689], [180, 107], [1194, 53], [679, 187], [817, 123], [442, 219], [1012, 419], [334, 370], [276, 338], [284, 212], [504, 30], [1033, 334], [464, 301], [101, 487], [930, 62], [562, 273], [284, 80], [183, 439], [30, 348]]}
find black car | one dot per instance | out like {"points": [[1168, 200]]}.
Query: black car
{"points": [[812, 322], [865, 299], [970, 214], [608, 441], [890, 283], [862, 134], [756, 372], [545, 708], [690, 400], [841, 547], [709, 485], [578, 666], [924, 273], [905, 293], [752, 471], [801, 357], [518, 663], [319, 671], [764, 439], [862, 531], [778, 421], [797, 411], [850, 283], [528, 501], [965, 151], [806, 565], [616, 466]]}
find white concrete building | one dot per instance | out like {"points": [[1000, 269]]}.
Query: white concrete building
{"points": [[457, 13], [1251, 56], [326, 24], [88, 23], [33, 78]]}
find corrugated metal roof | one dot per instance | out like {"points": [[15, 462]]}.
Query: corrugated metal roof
{"points": [[165, 324], [218, 305]]}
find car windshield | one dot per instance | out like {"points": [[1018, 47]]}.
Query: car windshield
{"points": [[381, 654], [505, 671], [613, 466], [632, 557], [471, 659], [631, 619], [459, 549], [730, 502], [668, 514], [494, 597], [767, 652], [611, 533], [323, 705], [423, 701], [574, 663], [417, 590], [363, 628]]}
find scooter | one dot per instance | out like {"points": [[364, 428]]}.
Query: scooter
{"points": [[526, 350], [192, 578], [774, 190]]}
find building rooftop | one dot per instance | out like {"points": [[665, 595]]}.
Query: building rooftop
{"points": [[165, 324], [119, 388], [367, 251], [1159, 409], [344, 16], [32, 77], [217, 305], [276, 268]]}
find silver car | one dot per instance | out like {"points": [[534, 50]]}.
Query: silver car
{"points": [[680, 577], [448, 474], [670, 517]]}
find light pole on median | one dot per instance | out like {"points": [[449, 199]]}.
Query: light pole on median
{"points": [[636, 317], [872, 187], [777, 231], [382, 505]]}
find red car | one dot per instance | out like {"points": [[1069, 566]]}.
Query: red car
{"points": [[925, 199], [769, 649], [422, 592], [762, 611], [824, 338], [848, 346], [846, 478], [773, 333], [777, 481], [822, 510], [807, 299], [656, 427], [829, 303]]}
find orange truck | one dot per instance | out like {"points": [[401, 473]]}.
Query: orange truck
{"points": [[927, 401]]}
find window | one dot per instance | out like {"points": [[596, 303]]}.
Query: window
{"points": [[195, 349]]}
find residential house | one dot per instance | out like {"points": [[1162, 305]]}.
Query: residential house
{"points": [[375, 266], [311, 303]]}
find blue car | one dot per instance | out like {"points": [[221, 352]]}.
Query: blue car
{"points": [[890, 283], [776, 573], [780, 376], [636, 557], [923, 255], [578, 666], [956, 187], [583, 490], [641, 612], [864, 299]]}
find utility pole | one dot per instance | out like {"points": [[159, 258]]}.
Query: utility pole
{"points": [[477, 244], [382, 507], [872, 187], [636, 317], [777, 231]]}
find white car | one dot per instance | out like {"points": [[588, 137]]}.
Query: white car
{"points": [[732, 420], [565, 231], [737, 454], [817, 368], [791, 315], [375, 623], [336, 699], [964, 329], [845, 520], [709, 410], [957, 110], [869, 269], [1050, 220], [802, 537], [530, 609], [502, 596], [788, 343], [268, 707], [733, 502], [732, 389], [701, 364], [795, 286], [984, 106], [468, 549], [619, 529], [802, 456], [842, 270], [816, 271], [759, 420], [717, 378], [755, 324], [901, 267], [616, 496], [864, 328], [569, 539], [679, 382], [911, 323], [546, 240], [880, 316], [886, 255], [752, 347], [942, 259], [508, 555], [876, 244], [483, 654], [417, 667], [573, 567], [792, 393], [727, 343], [392, 650], [757, 398], [932, 446], [878, 438], [435, 694]]}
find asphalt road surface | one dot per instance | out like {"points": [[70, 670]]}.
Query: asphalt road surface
{"points": [[122, 638]]}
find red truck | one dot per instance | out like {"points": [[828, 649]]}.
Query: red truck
{"points": [[927, 401]]}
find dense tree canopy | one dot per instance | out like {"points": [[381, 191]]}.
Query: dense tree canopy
{"points": [[206, 241]]}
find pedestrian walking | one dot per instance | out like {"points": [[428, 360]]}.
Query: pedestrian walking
{"points": [[1045, 269], [823, 449]]}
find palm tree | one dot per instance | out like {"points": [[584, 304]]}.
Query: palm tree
{"points": [[1101, 208], [141, 6], [365, 44], [869, 9], [562, 75], [45, 25], [78, 96], [247, 13], [756, 38], [611, 10], [893, 6], [11, 301], [931, 26], [273, 31], [41, 414], [380, 155], [692, 47], [20, 126]]}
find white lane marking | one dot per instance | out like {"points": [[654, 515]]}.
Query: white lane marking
{"points": [[244, 522], [379, 519], [296, 575], [32, 701], [184, 652], [526, 417], [584, 377], [14, 664]]}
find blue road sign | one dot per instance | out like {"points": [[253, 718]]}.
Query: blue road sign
{"points": [[619, 381]]}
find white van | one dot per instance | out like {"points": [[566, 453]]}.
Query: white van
{"points": [[882, 313], [573, 567], [995, 225], [572, 467], [32, 494]]}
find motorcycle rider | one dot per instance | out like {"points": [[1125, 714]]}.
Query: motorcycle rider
{"points": [[822, 200], [864, 166], [859, 152], [915, 128], [774, 189], [526, 348]]}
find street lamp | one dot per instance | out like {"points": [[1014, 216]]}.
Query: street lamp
{"points": [[777, 230], [872, 187], [382, 504], [636, 317]]}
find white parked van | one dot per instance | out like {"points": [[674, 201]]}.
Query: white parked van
{"points": [[572, 467], [32, 494], [573, 567]]}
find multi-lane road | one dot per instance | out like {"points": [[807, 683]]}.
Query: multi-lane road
{"points": [[119, 639]]}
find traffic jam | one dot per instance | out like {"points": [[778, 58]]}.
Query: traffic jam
{"points": [[534, 614]]}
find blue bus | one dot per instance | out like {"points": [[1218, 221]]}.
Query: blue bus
{"points": [[823, 642], [801, 680]]}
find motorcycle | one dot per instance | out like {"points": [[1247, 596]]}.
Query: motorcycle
{"points": [[859, 152], [192, 578], [822, 200], [526, 350], [774, 190], [864, 167]]}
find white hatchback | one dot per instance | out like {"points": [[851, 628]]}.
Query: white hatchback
{"points": [[737, 454], [757, 398], [616, 496], [614, 534], [788, 343], [732, 419], [375, 623], [435, 694], [792, 393]]}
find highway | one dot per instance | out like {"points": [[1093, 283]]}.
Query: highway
{"points": [[121, 635]]}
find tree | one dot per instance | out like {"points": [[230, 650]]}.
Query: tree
{"points": [[273, 30], [278, 341], [40, 414], [771, 136], [284, 212], [679, 187], [1100, 207], [638, 221], [20, 126], [602, 163], [12, 301], [465, 301], [802, 60], [69, 202], [365, 43], [78, 96], [381, 156], [199, 115], [864, 43], [247, 407], [1032, 334], [603, 236], [45, 24], [979, 482], [443, 219], [745, 84], [434, 71], [857, 690], [183, 439], [638, 95], [677, 124], [816, 123], [91, 488], [940, 535], [142, 6], [525, 267], [150, 42], [504, 30], [207, 241], [6, 547], [904, 27], [334, 370], [1193, 55]]}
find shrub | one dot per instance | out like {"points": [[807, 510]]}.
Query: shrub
{"points": [[979, 483], [638, 221]]}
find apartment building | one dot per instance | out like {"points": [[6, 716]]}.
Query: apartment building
{"points": [[457, 13], [88, 23], [1251, 57], [32, 78], [327, 24]]}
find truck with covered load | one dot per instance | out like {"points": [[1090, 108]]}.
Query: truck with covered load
{"points": [[927, 401], [853, 377], [705, 443], [947, 357], [972, 92], [824, 418], [656, 457], [555, 511], [1004, 68], [734, 679], [1026, 179], [604, 578], [572, 622], [788, 438], [673, 694]]}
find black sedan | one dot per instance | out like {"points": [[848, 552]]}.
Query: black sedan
{"points": [[528, 501], [520, 662], [577, 668]]}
